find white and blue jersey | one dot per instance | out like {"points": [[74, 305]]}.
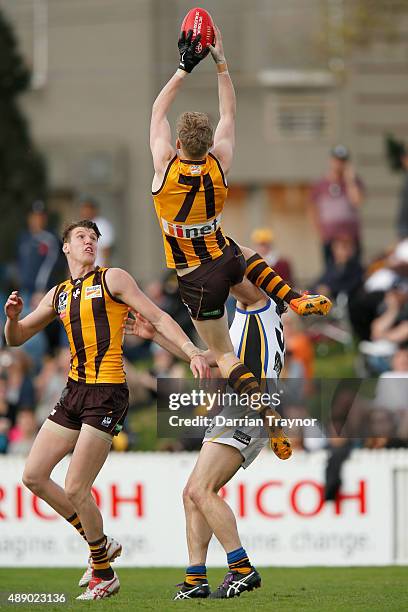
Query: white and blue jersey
{"points": [[257, 337]]}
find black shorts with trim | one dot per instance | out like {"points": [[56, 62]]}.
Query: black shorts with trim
{"points": [[205, 290], [102, 406]]}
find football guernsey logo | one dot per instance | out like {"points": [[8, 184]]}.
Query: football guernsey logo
{"points": [[195, 170], [62, 302], [93, 292]]}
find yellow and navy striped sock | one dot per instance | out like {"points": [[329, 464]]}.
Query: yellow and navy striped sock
{"points": [[76, 523], [242, 380], [238, 561], [263, 276], [100, 561], [195, 574]]}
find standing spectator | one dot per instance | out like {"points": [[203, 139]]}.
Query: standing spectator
{"points": [[336, 200], [38, 254], [264, 243], [402, 220], [90, 209]]}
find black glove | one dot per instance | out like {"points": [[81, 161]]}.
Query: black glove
{"points": [[189, 58]]}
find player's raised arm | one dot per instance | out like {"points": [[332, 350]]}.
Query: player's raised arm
{"points": [[17, 332], [224, 137], [160, 133], [124, 287]]}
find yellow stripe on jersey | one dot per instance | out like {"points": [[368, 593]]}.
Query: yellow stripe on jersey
{"points": [[244, 340], [93, 320], [263, 345], [188, 206]]}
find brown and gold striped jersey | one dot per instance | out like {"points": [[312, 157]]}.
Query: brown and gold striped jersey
{"points": [[188, 205], [93, 320]]}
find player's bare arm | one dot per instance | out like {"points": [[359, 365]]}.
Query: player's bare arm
{"points": [[124, 287], [142, 328], [17, 332], [160, 132], [224, 137]]}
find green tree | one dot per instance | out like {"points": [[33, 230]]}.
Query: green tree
{"points": [[23, 176], [353, 24]]}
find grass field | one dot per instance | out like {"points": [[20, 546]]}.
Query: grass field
{"points": [[299, 589]]}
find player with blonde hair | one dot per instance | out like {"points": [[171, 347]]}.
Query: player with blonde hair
{"points": [[190, 190]]}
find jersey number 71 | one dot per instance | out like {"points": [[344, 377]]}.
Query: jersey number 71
{"points": [[195, 182]]}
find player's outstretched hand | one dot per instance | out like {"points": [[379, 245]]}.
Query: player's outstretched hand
{"points": [[189, 57], [199, 367], [139, 326], [14, 306], [311, 304], [217, 51]]}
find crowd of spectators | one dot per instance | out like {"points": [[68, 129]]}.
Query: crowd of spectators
{"points": [[370, 303]]}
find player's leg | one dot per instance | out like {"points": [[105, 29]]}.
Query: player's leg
{"points": [[262, 275], [52, 444], [90, 453], [245, 293], [216, 465], [198, 531], [198, 534], [205, 291], [208, 476], [265, 277]]}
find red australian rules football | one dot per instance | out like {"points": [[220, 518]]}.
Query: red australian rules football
{"points": [[200, 22]]}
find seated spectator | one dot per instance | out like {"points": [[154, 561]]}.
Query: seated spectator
{"points": [[383, 430], [15, 367], [345, 273], [50, 382], [389, 330], [23, 434], [165, 365], [264, 243], [392, 386]]}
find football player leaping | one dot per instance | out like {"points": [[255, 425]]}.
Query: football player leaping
{"points": [[189, 191]]}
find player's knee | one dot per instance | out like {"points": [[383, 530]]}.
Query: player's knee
{"points": [[246, 251], [34, 482], [187, 498], [76, 493], [197, 493], [186, 495]]}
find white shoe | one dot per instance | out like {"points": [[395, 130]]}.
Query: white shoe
{"points": [[113, 549], [99, 588]]}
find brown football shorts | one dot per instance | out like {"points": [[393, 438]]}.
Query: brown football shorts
{"points": [[101, 406], [205, 290]]}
